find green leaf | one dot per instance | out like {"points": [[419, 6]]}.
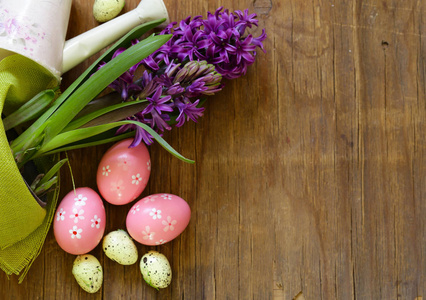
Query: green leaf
{"points": [[42, 188], [33, 135], [36, 181], [124, 42], [52, 172], [94, 141], [30, 110], [69, 137], [98, 82], [119, 113], [100, 103]]}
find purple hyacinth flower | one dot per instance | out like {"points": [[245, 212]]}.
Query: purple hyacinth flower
{"points": [[147, 84], [175, 89], [160, 121], [244, 50], [258, 40], [221, 46], [124, 84], [188, 110], [246, 20], [140, 133], [190, 64], [213, 21], [157, 103]]}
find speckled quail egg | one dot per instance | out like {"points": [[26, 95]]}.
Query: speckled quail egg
{"points": [[105, 10], [156, 269], [88, 273], [119, 247]]}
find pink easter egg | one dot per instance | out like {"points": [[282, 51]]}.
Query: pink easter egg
{"points": [[157, 219], [123, 172], [79, 222]]}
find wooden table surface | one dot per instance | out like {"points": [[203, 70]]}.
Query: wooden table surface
{"points": [[310, 174]]}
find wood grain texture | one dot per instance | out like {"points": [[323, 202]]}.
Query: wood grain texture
{"points": [[310, 174]]}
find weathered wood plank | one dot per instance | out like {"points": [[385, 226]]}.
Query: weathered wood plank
{"points": [[310, 174]]}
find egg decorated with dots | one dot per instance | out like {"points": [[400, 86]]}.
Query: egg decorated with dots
{"points": [[79, 222], [158, 219], [123, 172], [156, 270], [119, 247], [88, 273]]}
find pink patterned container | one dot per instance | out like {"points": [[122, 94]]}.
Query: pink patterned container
{"points": [[36, 30]]}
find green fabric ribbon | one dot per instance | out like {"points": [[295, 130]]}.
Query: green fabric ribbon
{"points": [[23, 222]]}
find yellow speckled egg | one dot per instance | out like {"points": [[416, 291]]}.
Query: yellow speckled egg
{"points": [[105, 10], [156, 270]]}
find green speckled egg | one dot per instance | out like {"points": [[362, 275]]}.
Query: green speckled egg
{"points": [[105, 10], [88, 273], [156, 269]]}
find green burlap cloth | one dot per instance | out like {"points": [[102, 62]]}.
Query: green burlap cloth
{"points": [[23, 222]]}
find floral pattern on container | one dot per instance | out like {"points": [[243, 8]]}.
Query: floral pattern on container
{"points": [[36, 30], [18, 30]]}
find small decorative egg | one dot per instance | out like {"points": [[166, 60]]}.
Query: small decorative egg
{"points": [[79, 222], [155, 269], [157, 219], [119, 247], [88, 273], [123, 172], [105, 10]]}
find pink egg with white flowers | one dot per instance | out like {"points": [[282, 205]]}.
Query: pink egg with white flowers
{"points": [[79, 222], [123, 172], [158, 219]]}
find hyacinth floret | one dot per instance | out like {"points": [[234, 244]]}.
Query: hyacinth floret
{"points": [[220, 39], [190, 65]]}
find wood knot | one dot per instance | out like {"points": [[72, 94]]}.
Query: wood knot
{"points": [[385, 44]]}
